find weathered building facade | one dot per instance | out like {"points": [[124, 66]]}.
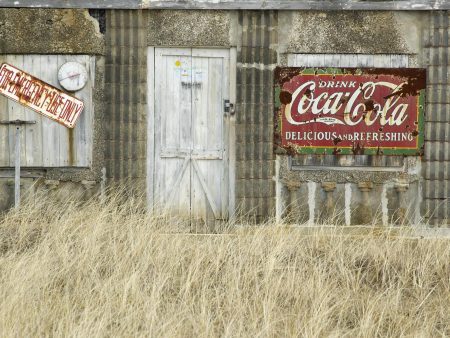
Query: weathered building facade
{"points": [[180, 101]]}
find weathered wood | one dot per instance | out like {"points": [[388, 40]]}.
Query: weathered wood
{"points": [[150, 126], [172, 129], [17, 167], [230, 129], [83, 133], [46, 143], [4, 129], [33, 132], [190, 175], [50, 129], [16, 112], [231, 4]]}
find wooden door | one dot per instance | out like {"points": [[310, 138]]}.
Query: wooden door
{"points": [[190, 175]]}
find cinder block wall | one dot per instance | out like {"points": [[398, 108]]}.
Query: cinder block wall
{"points": [[256, 59], [435, 164], [125, 96]]}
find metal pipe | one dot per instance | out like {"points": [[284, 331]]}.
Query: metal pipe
{"points": [[17, 169], [18, 124]]}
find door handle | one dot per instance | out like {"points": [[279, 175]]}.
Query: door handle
{"points": [[228, 108]]}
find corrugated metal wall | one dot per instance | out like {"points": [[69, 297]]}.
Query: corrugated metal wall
{"points": [[125, 95], [125, 98], [256, 59], [435, 166]]}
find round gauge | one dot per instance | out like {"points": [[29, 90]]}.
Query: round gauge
{"points": [[72, 76]]}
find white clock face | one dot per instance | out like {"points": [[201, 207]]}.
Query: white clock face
{"points": [[72, 76]]}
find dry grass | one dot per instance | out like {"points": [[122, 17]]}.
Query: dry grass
{"points": [[110, 270]]}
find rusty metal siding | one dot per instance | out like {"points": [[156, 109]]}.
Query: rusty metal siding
{"points": [[256, 59], [435, 166], [125, 85]]}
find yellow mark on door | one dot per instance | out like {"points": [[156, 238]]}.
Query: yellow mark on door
{"points": [[178, 63]]}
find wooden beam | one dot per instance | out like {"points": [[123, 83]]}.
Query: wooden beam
{"points": [[95, 4], [234, 5]]}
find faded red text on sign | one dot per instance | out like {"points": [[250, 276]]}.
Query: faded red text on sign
{"points": [[39, 96]]}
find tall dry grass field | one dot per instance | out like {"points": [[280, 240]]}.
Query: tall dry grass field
{"points": [[105, 270]]}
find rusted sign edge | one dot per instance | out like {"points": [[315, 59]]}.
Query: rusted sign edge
{"points": [[404, 5], [283, 74], [52, 88]]}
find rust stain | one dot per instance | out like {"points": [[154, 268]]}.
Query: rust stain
{"points": [[71, 148], [290, 151], [370, 105], [357, 149], [283, 74], [336, 140], [336, 151], [285, 97]]}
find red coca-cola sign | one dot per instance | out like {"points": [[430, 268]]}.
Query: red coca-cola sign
{"points": [[349, 111]]}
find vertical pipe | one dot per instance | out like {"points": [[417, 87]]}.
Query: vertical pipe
{"points": [[279, 192], [17, 169], [384, 206], [311, 201], [348, 203]]}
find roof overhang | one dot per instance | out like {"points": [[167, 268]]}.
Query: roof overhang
{"points": [[235, 4]]}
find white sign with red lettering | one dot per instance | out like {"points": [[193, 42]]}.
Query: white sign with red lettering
{"points": [[39, 96]]}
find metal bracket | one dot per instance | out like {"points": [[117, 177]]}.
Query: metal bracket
{"points": [[228, 108], [17, 122]]}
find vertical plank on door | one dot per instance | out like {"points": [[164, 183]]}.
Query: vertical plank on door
{"points": [[226, 94], [200, 129], [230, 145]]}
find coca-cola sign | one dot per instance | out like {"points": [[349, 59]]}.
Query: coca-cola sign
{"points": [[349, 111]]}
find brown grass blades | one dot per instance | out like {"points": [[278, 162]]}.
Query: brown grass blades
{"points": [[108, 269]]}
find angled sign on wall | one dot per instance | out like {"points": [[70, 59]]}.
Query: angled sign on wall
{"points": [[39, 96]]}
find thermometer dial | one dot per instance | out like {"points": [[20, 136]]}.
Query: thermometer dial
{"points": [[72, 76]]}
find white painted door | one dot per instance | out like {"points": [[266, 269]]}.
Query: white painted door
{"points": [[190, 175]]}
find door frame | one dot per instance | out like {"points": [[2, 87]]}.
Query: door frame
{"points": [[231, 121]]}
